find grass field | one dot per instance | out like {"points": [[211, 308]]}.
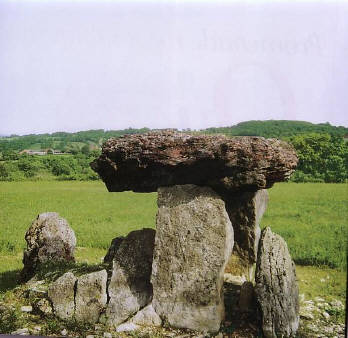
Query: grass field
{"points": [[312, 217]]}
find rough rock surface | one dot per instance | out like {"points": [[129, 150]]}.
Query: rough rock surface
{"points": [[245, 210], [276, 287], [146, 162], [61, 293], [147, 317], [130, 288], [194, 239], [49, 239], [115, 244], [91, 296]]}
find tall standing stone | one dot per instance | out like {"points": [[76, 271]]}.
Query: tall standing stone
{"points": [[276, 287], [194, 239], [245, 210], [130, 288]]}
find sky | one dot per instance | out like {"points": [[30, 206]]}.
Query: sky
{"points": [[78, 65]]}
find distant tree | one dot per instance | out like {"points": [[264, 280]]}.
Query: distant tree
{"points": [[9, 155], [29, 166], [85, 150], [4, 173], [321, 157]]}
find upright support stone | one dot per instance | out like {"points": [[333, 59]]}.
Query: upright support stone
{"points": [[245, 210], [276, 287], [194, 239], [130, 288]]}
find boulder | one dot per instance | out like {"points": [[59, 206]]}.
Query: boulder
{"points": [[49, 239], [130, 288], [194, 239], [91, 296], [147, 317], [276, 287], [145, 162], [245, 210], [61, 293], [115, 244]]}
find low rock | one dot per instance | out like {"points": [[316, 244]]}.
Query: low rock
{"points": [[91, 296], [276, 287], [35, 292], [337, 305], [235, 280], [61, 293], [64, 332], [43, 306], [49, 239], [325, 315], [37, 329], [130, 288], [126, 327], [147, 317], [27, 308], [21, 332], [306, 315]]}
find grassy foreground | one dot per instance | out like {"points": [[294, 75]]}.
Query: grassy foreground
{"points": [[312, 218]]}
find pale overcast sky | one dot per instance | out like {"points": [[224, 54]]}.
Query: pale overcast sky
{"points": [[77, 65]]}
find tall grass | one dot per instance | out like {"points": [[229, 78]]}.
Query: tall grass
{"points": [[312, 218], [95, 215]]}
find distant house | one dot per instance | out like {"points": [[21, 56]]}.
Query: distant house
{"points": [[33, 152], [41, 152]]}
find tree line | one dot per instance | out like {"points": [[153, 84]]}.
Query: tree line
{"points": [[322, 150]]}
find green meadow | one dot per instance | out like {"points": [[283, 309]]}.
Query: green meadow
{"points": [[311, 217]]}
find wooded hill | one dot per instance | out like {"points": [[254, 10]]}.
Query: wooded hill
{"points": [[322, 150], [72, 142]]}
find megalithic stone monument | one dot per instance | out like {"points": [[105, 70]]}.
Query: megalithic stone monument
{"points": [[211, 197]]}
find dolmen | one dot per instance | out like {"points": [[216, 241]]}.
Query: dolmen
{"points": [[212, 193]]}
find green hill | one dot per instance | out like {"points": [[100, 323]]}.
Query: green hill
{"points": [[278, 129], [74, 142], [321, 148]]}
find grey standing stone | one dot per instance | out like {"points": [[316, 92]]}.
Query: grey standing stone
{"points": [[245, 210], [130, 288], [194, 239], [91, 296], [61, 293], [276, 287], [49, 239]]}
